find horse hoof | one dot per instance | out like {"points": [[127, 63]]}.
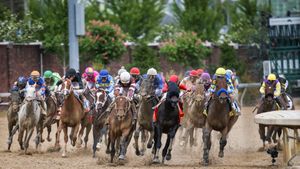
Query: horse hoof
{"points": [[205, 163], [78, 145], [137, 152], [121, 157], [155, 160], [63, 155], [107, 151], [261, 149], [98, 146], [28, 153], [49, 139], [168, 157], [221, 154], [149, 145], [42, 140]]}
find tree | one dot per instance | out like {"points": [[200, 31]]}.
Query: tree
{"points": [[204, 17], [54, 15], [135, 17], [144, 57], [103, 42], [186, 48]]}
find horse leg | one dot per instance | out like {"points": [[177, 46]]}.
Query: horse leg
{"points": [[49, 131], [206, 137], [65, 130], [108, 151], [262, 131], [136, 140], [223, 142], [96, 136], [123, 144], [57, 145], [113, 151], [27, 138], [74, 138], [144, 139], [10, 136], [80, 134], [195, 136], [150, 141], [20, 138], [87, 132], [164, 152], [184, 137], [191, 135], [157, 143], [172, 136]]}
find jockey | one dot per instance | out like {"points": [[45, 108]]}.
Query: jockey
{"points": [[221, 72], [20, 85], [229, 75], [120, 71], [106, 82], [89, 77], [75, 78], [158, 82], [190, 81], [40, 88], [205, 78], [235, 79], [136, 77], [125, 87], [270, 80], [284, 85], [51, 79]]}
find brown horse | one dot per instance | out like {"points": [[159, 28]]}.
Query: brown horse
{"points": [[99, 116], [12, 116], [268, 104], [194, 117], [120, 127], [145, 115], [85, 123], [218, 118], [51, 113], [71, 115]]}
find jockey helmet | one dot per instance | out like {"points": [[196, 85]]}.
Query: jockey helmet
{"points": [[120, 71], [103, 73], [22, 80], [229, 72], [125, 77], [152, 71], [200, 71], [220, 71], [89, 70], [48, 74], [174, 78], [205, 76], [35, 73], [194, 73], [135, 71], [271, 77]]}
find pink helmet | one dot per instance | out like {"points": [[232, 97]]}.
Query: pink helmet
{"points": [[89, 71]]}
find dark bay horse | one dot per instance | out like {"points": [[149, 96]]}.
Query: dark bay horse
{"points": [[71, 115], [194, 115], [86, 123], [218, 118], [51, 103], [99, 116], [145, 116], [120, 127], [268, 104], [167, 122], [12, 116]]}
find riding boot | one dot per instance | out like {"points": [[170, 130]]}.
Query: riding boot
{"points": [[134, 113], [281, 103], [44, 107], [236, 108]]}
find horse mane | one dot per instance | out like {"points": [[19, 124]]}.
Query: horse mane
{"points": [[173, 90], [221, 85]]}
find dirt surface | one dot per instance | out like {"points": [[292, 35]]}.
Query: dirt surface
{"points": [[240, 152]]}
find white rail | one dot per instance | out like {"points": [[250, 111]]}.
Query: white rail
{"points": [[245, 86]]}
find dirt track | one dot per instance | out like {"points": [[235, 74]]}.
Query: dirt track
{"points": [[240, 152]]}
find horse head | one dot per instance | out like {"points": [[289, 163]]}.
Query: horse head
{"points": [[15, 100], [199, 92], [147, 89], [122, 106], [269, 91], [66, 88], [221, 89], [101, 98]]}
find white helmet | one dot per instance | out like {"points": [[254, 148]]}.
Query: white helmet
{"points": [[229, 72], [121, 71], [125, 77], [152, 71]]}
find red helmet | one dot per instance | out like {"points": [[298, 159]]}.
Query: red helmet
{"points": [[194, 73], [200, 71], [135, 71], [174, 78]]}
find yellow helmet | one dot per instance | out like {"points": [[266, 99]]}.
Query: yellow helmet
{"points": [[271, 76], [220, 71], [35, 73]]}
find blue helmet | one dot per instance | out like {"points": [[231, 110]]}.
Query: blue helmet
{"points": [[22, 80], [103, 73]]}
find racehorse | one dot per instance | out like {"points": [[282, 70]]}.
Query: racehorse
{"points": [[12, 116], [99, 116], [268, 104], [145, 116], [167, 122], [194, 116], [219, 118], [29, 117], [86, 122], [71, 115], [51, 113], [120, 127]]}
